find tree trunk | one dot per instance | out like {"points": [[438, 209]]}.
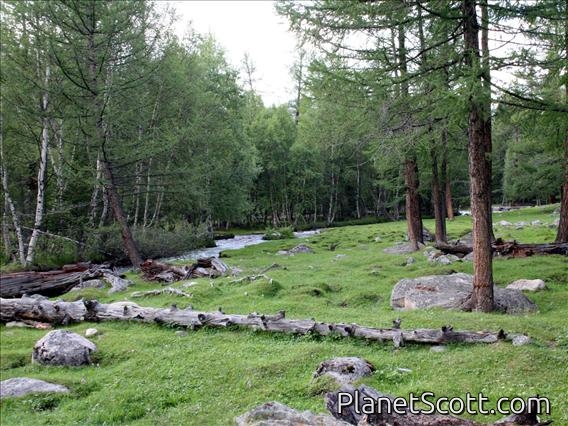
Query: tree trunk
{"points": [[59, 312], [413, 215], [479, 157], [437, 201], [115, 204], [12, 208], [42, 173], [562, 234]]}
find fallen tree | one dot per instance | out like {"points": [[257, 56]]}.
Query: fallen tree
{"points": [[508, 248], [58, 282], [59, 312], [165, 272]]}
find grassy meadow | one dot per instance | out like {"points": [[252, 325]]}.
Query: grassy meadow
{"points": [[149, 375]]}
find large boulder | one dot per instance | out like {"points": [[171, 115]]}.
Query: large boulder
{"points": [[21, 386], [62, 347], [277, 414], [450, 292], [345, 369]]}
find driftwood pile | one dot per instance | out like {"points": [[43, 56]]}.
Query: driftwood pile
{"points": [[507, 248], [211, 267], [58, 282]]}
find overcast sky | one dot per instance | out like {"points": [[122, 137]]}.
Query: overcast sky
{"points": [[251, 27]]}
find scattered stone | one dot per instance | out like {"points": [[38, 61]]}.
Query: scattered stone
{"points": [[521, 340], [189, 284], [339, 256], [277, 414], [403, 370], [438, 348], [521, 224], [450, 292], [528, 285], [62, 347], [90, 332], [504, 223], [401, 248], [181, 333], [468, 257], [21, 386], [536, 223], [444, 259], [18, 324], [301, 248], [410, 260], [466, 239], [90, 284], [345, 370]]}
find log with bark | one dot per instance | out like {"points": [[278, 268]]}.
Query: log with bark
{"points": [[507, 248], [165, 272], [60, 312], [367, 406], [57, 282]]}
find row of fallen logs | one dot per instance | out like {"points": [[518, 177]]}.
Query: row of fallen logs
{"points": [[508, 248], [59, 312], [58, 282]]}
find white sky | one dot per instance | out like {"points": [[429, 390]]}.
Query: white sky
{"points": [[251, 27]]}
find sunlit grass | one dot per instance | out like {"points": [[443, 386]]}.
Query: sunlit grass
{"points": [[146, 374]]}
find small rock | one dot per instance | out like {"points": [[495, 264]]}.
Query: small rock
{"points": [[90, 284], [20, 386], [468, 257], [536, 223], [345, 369], [62, 347], [181, 333], [339, 256], [439, 348], [404, 370], [410, 260], [90, 332], [504, 223], [528, 285], [17, 324], [521, 340], [189, 284], [277, 414], [301, 248]]}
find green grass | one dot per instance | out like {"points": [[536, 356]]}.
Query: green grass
{"points": [[148, 375]]}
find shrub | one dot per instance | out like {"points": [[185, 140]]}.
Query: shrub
{"points": [[278, 234]]}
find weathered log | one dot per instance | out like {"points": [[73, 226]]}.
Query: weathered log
{"points": [[50, 283], [64, 312], [368, 406], [508, 248], [165, 272]]}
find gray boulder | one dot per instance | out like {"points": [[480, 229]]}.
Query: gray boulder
{"points": [[90, 284], [528, 285], [277, 414], [450, 292], [345, 370], [62, 347], [21, 386]]}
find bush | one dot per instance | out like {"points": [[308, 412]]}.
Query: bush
{"points": [[106, 243], [278, 234]]}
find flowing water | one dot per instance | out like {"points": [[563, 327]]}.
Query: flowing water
{"points": [[238, 242]]}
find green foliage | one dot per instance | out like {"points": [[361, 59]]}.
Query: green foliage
{"points": [[278, 234]]}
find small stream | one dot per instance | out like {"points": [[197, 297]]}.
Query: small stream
{"points": [[238, 242]]}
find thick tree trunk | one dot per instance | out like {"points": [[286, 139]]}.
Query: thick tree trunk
{"points": [[91, 310], [562, 234], [413, 214], [437, 201], [115, 204], [479, 150]]}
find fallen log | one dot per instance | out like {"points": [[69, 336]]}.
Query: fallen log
{"points": [[368, 406], [60, 312], [57, 282], [166, 272], [507, 248]]}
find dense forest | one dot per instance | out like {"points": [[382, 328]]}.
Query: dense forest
{"points": [[119, 135]]}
